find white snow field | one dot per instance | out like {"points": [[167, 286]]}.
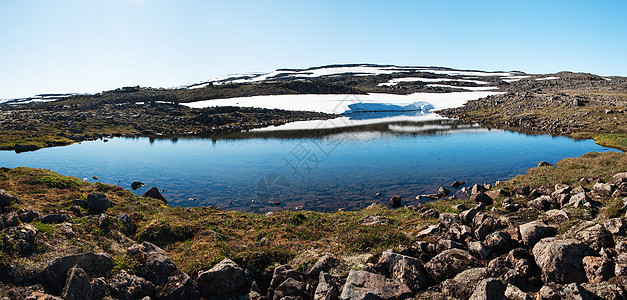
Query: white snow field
{"points": [[338, 104]]}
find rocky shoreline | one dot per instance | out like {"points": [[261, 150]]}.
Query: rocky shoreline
{"points": [[565, 241]]}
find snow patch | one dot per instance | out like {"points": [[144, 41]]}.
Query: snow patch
{"points": [[339, 103], [470, 88], [396, 81], [547, 78]]}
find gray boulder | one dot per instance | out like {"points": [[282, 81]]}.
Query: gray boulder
{"points": [[290, 288], [28, 215], [596, 237], [464, 283], [450, 263], [405, 269], [95, 265], [489, 289], [179, 286], [579, 199], [77, 286], [7, 198], [617, 226], [534, 231], [127, 287], [542, 203], [11, 219], [97, 203], [362, 285], [325, 263], [154, 263], [561, 260], [225, 278], [280, 274], [482, 197], [603, 189], [597, 269], [55, 218], [325, 289], [605, 290]]}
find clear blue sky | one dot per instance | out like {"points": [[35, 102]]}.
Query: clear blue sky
{"points": [[90, 46]]}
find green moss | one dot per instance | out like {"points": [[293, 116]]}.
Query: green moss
{"points": [[45, 228]]}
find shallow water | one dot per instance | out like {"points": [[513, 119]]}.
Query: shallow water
{"points": [[339, 166]]}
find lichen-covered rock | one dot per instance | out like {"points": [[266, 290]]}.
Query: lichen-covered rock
{"points": [[596, 237], [325, 289], [41, 296], [616, 226], [579, 199], [489, 289], [28, 215], [282, 273], [179, 286], [126, 286], [597, 268], [223, 279], [603, 189], [554, 291], [481, 197], [541, 203], [561, 260], [449, 263], [290, 288], [361, 285], [405, 269], [499, 242], [325, 263], [605, 290], [154, 263], [464, 283], [534, 231]]}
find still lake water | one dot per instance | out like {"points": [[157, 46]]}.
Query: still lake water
{"points": [[320, 168]]}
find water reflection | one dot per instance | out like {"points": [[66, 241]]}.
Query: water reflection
{"points": [[317, 165]]}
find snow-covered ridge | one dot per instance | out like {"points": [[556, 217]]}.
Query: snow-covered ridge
{"points": [[334, 70]]}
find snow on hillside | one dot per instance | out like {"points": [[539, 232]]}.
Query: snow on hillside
{"points": [[356, 70], [338, 104]]}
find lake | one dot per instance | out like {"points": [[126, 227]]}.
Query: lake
{"points": [[314, 165]]}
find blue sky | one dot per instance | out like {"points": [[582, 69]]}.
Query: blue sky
{"points": [[90, 46]]}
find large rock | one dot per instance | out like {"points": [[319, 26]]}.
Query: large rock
{"points": [[11, 219], [179, 286], [7, 198], [290, 288], [481, 197], [225, 278], [596, 237], [97, 203], [154, 263], [489, 289], [405, 269], [325, 263], [395, 202], [603, 189], [126, 286], [282, 273], [616, 226], [95, 265], [325, 290], [579, 199], [499, 242], [597, 268], [561, 260], [484, 225], [448, 219], [362, 285], [77, 286], [28, 215], [18, 239], [554, 291], [41, 296], [464, 283], [541, 203], [55, 218], [449, 263], [605, 290], [534, 231], [512, 292], [154, 193]]}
